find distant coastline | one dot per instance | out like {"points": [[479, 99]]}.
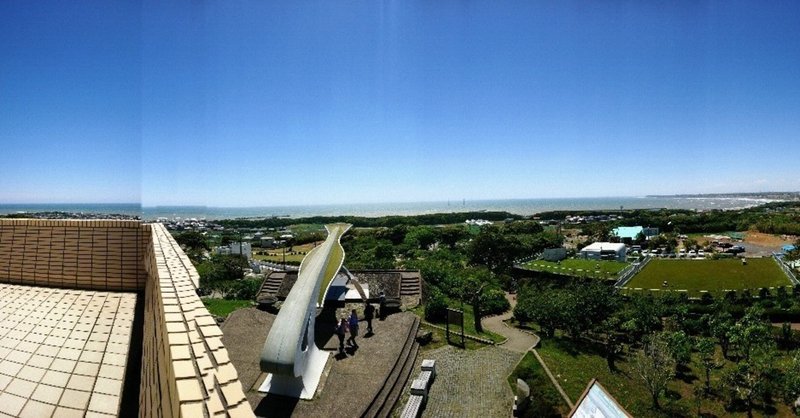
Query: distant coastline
{"points": [[525, 207], [775, 196]]}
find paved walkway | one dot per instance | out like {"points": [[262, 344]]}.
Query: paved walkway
{"points": [[518, 341], [470, 383]]}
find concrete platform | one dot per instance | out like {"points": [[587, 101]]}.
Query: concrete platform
{"points": [[351, 380]]}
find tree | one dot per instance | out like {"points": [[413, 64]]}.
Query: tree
{"points": [[655, 366], [719, 325], [750, 379], [494, 250], [546, 307], [420, 238], [790, 382], [192, 240], [642, 315], [452, 234], [593, 303], [751, 333], [680, 346], [611, 344], [708, 359], [597, 231], [436, 306]]}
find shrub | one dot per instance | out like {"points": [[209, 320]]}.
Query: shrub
{"points": [[707, 298], [494, 302], [436, 307]]}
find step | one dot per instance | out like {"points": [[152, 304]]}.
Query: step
{"points": [[400, 384], [377, 403], [380, 397]]}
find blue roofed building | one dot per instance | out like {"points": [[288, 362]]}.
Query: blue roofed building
{"points": [[630, 233]]}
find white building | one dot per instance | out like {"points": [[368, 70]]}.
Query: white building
{"points": [[239, 248], [604, 251]]}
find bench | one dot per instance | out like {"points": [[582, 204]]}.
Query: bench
{"points": [[419, 389], [413, 407]]}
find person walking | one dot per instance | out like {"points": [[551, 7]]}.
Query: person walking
{"points": [[369, 314], [382, 311], [341, 329], [352, 323]]}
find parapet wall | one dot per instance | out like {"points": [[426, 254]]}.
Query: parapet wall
{"points": [[75, 254], [186, 370]]}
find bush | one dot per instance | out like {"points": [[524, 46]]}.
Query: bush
{"points": [[436, 307], [494, 302], [244, 289], [707, 298]]}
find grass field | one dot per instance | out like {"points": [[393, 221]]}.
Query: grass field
{"points": [[296, 255], [712, 275], [547, 402], [223, 307], [603, 269]]}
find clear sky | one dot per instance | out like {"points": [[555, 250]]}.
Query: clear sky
{"points": [[280, 103]]}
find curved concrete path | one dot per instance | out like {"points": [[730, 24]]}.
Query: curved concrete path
{"points": [[517, 341], [521, 342]]}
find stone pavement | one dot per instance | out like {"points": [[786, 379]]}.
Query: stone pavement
{"points": [[470, 383]]}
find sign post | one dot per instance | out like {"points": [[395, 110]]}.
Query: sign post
{"points": [[455, 317]]}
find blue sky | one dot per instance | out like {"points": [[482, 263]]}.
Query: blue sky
{"points": [[280, 103]]}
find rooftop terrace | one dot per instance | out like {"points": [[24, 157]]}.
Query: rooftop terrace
{"points": [[99, 314]]}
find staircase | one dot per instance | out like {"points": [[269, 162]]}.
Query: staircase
{"points": [[270, 286], [388, 395], [409, 286]]}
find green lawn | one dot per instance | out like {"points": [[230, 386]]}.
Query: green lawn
{"points": [[469, 322], [546, 400], [712, 275], [223, 307], [604, 269], [303, 228], [574, 365], [297, 253]]}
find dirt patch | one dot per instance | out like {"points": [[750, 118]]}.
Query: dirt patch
{"points": [[764, 240]]}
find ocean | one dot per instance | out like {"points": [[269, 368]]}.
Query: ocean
{"points": [[516, 206]]}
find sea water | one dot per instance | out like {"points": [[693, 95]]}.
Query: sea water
{"points": [[516, 206]]}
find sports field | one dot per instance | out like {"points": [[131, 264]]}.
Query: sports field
{"points": [[578, 267], [712, 275]]}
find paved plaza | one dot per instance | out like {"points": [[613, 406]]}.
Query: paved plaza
{"points": [[470, 383]]}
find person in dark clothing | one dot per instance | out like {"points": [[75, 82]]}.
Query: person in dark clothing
{"points": [[352, 324], [369, 314], [382, 311], [341, 330]]}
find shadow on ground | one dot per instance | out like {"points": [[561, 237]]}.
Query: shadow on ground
{"points": [[276, 406]]}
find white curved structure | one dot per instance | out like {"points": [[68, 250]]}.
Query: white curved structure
{"points": [[291, 358]]}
